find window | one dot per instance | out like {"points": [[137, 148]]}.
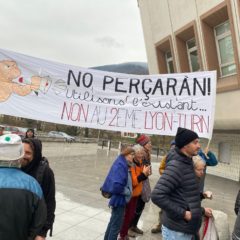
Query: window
{"points": [[165, 56], [188, 48], [225, 49], [169, 62], [221, 45], [192, 55]]}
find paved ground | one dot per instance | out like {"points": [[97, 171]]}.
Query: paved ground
{"points": [[82, 212]]}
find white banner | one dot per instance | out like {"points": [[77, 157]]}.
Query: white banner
{"points": [[154, 104]]}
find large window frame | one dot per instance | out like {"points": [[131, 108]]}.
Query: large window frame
{"points": [[163, 48], [218, 38], [209, 20], [182, 36]]}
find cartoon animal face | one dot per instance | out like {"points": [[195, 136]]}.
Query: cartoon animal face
{"points": [[9, 70]]}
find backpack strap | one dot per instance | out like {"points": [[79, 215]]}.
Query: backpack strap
{"points": [[51, 230], [41, 169]]}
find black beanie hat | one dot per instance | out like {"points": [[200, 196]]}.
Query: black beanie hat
{"points": [[184, 136]]}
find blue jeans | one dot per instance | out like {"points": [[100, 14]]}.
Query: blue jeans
{"points": [[173, 235], [115, 223]]}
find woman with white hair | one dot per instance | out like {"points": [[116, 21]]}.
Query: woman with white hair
{"points": [[139, 173], [199, 167]]}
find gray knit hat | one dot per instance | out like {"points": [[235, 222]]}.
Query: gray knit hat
{"points": [[11, 147]]}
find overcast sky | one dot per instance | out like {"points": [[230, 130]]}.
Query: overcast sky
{"points": [[85, 33]]}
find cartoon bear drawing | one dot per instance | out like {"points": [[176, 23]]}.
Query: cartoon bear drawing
{"points": [[12, 82]]}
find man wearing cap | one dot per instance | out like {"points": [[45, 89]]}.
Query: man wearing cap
{"points": [[22, 207], [177, 191]]}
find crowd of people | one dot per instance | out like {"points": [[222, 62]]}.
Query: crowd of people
{"points": [[27, 180], [27, 189], [178, 192]]}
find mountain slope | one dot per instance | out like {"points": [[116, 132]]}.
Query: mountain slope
{"points": [[138, 68]]}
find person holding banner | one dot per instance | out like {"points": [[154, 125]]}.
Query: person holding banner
{"points": [[177, 191]]}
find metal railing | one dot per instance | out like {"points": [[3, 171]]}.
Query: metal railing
{"points": [[117, 145]]}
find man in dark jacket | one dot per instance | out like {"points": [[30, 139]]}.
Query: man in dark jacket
{"points": [[236, 230], [177, 191], [22, 207], [37, 166]]}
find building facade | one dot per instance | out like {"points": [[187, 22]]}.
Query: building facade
{"points": [[201, 35]]}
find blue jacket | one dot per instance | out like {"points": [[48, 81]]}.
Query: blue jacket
{"points": [[22, 205], [116, 182], [210, 160]]}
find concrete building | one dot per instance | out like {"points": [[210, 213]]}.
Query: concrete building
{"points": [[201, 35]]}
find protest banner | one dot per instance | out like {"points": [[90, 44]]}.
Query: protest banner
{"points": [[153, 104]]}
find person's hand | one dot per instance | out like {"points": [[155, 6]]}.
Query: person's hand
{"points": [[208, 212], [207, 194], [188, 215], [39, 238], [146, 170]]}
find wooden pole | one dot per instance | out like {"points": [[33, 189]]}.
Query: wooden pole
{"points": [[207, 148]]}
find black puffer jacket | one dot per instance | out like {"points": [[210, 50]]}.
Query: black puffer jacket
{"points": [[177, 191], [236, 230]]}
